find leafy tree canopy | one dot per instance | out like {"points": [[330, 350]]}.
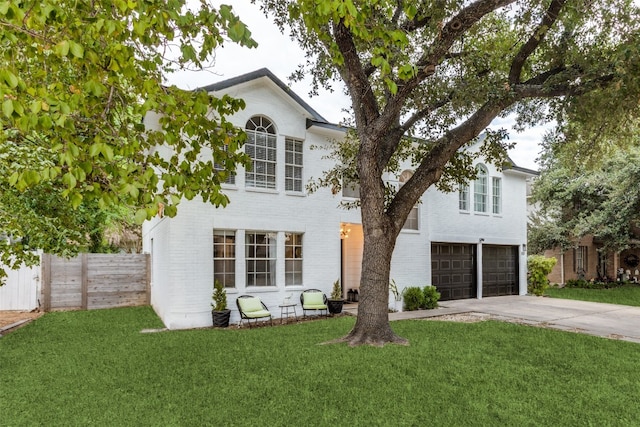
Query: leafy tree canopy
{"points": [[76, 81], [579, 193], [443, 71]]}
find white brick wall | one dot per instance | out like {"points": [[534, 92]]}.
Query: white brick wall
{"points": [[182, 278]]}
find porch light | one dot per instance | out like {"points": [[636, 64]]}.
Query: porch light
{"points": [[344, 231]]}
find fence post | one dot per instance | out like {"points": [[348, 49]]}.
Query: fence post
{"points": [[85, 281], [46, 281]]}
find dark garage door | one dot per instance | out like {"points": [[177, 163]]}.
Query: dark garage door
{"points": [[499, 270], [453, 270]]}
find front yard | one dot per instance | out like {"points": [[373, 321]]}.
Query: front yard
{"points": [[96, 368], [625, 295]]}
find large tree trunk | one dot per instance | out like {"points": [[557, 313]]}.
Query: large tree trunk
{"points": [[372, 325], [380, 233]]}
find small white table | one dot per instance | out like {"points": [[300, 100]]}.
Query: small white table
{"points": [[286, 310]]}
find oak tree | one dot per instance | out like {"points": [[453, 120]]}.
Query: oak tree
{"points": [[442, 71]]}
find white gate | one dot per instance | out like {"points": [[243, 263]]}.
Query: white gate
{"points": [[21, 290]]}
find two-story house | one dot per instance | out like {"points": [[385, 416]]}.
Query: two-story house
{"points": [[274, 239]]}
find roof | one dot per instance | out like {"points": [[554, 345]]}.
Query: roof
{"points": [[255, 75]]}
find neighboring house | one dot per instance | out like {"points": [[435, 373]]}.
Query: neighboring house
{"points": [[589, 261], [274, 239]]}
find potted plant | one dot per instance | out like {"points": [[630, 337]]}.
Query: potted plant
{"points": [[335, 302], [219, 311]]}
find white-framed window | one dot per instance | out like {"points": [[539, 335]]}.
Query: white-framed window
{"points": [[230, 177], [293, 259], [224, 257], [351, 189], [261, 147], [293, 165], [260, 255], [463, 198], [496, 195], [480, 190], [411, 222]]}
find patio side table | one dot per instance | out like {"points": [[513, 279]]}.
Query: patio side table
{"points": [[286, 310]]}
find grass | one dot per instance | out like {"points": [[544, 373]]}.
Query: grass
{"points": [[96, 368], [626, 295]]}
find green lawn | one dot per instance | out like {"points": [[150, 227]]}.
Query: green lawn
{"points": [[626, 295], [96, 368]]}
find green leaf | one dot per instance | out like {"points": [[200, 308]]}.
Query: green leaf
{"points": [[76, 199], [62, 48], [10, 78], [7, 108], [76, 49], [140, 216]]}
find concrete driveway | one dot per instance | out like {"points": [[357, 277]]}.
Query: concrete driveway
{"points": [[605, 320]]}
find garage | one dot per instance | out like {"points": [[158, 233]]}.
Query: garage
{"points": [[499, 270], [453, 270]]}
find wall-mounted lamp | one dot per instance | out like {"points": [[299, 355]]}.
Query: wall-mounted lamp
{"points": [[524, 248], [344, 231], [480, 240]]}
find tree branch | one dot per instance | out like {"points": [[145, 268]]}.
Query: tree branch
{"points": [[364, 103], [431, 167], [566, 89], [534, 41]]}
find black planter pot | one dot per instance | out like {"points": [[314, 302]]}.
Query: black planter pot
{"points": [[335, 306], [221, 318]]}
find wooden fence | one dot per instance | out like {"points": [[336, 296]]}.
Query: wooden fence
{"points": [[92, 281]]}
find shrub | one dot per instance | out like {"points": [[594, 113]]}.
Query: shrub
{"points": [[413, 298], [431, 297], [592, 284], [219, 297], [539, 267]]}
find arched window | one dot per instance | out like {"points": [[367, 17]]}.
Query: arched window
{"points": [[480, 190], [261, 147], [412, 220]]}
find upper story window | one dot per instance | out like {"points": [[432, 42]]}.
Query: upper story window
{"points": [[463, 198], [412, 220], [226, 177], [496, 195], [293, 165], [480, 190], [350, 189], [261, 147]]}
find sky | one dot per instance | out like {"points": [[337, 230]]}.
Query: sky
{"points": [[281, 55]]}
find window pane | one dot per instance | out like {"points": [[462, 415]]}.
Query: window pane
{"points": [[261, 147], [293, 165], [480, 190], [224, 257], [497, 195], [293, 259], [463, 195], [260, 258]]}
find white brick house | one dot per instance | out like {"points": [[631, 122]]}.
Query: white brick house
{"points": [[274, 239]]}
